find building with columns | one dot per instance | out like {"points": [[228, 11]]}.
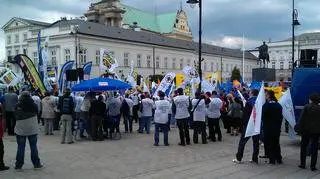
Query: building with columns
{"points": [[152, 52]]}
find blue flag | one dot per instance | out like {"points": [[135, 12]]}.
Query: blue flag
{"points": [[87, 70], [62, 78]]}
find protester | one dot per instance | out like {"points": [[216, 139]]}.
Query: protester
{"points": [[35, 97], [199, 118], [309, 125], [127, 113], [243, 140], [180, 107], [224, 112], [10, 100], [235, 115], [213, 113], [66, 108], [97, 112], [48, 113], [2, 165], [135, 99], [162, 108], [77, 110], [272, 120], [114, 106], [84, 115], [27, 127], [147, 106]]}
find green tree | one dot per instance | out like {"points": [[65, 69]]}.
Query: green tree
{"points": [[235, 74]]}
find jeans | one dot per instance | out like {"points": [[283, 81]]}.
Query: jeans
{"points": [[96, 124], [183, 130], [114, 122], [48, 126], [1, 153], [214, 127], [306, 138], [145, 123], [164, 128], [21, 141], [242, 144], [10, 122], [83, 125], [66, 128], [128, 120], [199, 127]]}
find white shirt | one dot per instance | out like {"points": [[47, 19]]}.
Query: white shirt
{"points": [[147, 106], [182, 103], [130, 104], [162, 111], [135, 99], [37, 101], [199, 113], [213, 111], [78, 101]]}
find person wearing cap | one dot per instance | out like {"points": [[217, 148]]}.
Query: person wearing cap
{"points": [[26, 112]]}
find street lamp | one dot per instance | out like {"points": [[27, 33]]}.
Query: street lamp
{"points": [[295, 22], [75, 32], [193, 5]]}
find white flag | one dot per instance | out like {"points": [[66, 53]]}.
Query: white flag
{"points": [[107, 60], [254, 124], [206, 86], [244, 101], [288, 111], [165, 83], [191, 73]]}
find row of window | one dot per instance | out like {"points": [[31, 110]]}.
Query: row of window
{"points": [[16, 38], [273, 64]]}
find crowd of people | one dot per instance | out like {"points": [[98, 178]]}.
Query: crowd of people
{"points": [[97, 116]]}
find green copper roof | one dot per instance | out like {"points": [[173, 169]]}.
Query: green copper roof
{"points": [[158, 23]]}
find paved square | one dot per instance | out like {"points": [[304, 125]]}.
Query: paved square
{"points": [[135, 157]]}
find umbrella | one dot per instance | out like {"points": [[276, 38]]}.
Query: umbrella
{"points": [[101, 84]]}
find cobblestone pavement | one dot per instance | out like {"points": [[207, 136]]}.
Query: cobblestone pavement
{"points": [[135, 157]]}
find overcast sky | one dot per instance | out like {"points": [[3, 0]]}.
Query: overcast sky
{"points": [[224, 21]]}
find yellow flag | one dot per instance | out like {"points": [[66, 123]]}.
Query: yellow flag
{"points": [[179, 79], [277, 91]]}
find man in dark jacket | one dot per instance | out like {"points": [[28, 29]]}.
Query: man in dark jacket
{"points": [[66, 108], [243, 140], [97, 113], [272, 120], [309, 127]]}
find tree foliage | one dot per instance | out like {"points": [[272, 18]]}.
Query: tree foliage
{"points": [[235, 74]]}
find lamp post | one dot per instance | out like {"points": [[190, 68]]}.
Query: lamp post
{"points": [[192, 5], [295, 22], [75, 32]]}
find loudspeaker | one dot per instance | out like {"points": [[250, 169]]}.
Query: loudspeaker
{"points": [[80, 73], [264, 74], [72, 75]]}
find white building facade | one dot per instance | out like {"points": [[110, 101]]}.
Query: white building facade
{"points": [[151, 53]]}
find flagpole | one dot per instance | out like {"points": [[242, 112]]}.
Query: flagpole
{"points": [[243, 51]]}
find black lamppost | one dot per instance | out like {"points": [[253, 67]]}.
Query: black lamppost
{"points": [[295, 22], [193, 4], [75, 32]]}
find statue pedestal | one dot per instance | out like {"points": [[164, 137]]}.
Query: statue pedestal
{"points": [[264, 74]]}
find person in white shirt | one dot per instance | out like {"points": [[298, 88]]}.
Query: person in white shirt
{"points": [[146, 108], [199, 118], [135, 99], [127, 113], [213, 113], [161, 119], [180, 107]]}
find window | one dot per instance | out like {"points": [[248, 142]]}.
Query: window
{"points": [[188, 62], [16, 38], [281, 65], [25, 51], [54, 57], [83, 56], [67, 54], [247, 70], [165, 62], [9, 53], [227, 67], [217, 67], [148, 61], [173, 63], [211, 67], [17, 51], [273, 64], [8, 39], [126, 59], [231, 67], [35, 58], [25, 36], [157, 62], [290, 64], [181, 64], [98, 57], [205, 66], [138, 60]]}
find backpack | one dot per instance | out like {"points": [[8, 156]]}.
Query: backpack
{"points": [[66, 105], [125, 109]]}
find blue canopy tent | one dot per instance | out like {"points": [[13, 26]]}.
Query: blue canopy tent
{"points": [[101, 84]]}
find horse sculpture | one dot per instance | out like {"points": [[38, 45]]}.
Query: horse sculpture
{"points": [[263, 54]]}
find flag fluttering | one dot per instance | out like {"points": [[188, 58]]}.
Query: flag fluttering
{"points": [[107, 60], [288, 112], [254, 124]]}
